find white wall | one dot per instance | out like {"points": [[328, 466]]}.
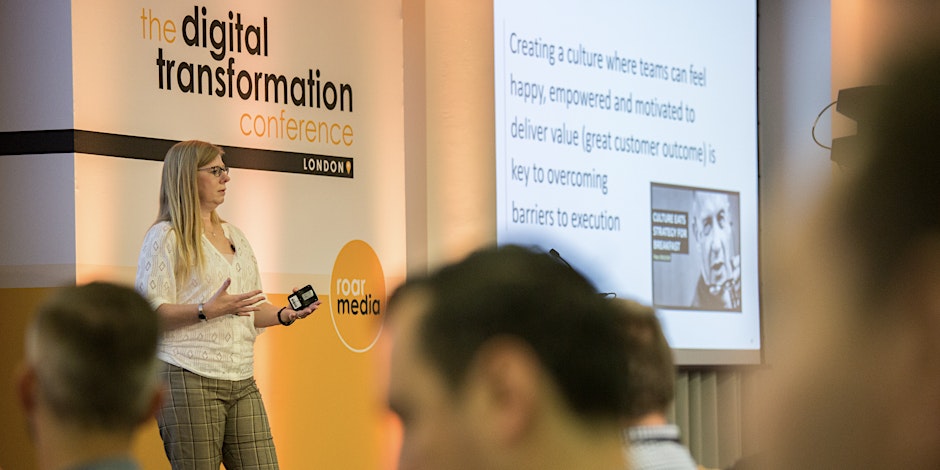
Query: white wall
{"points": [[37, 234]]}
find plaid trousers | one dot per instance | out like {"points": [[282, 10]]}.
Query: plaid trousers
{"points": [[206, 421]]}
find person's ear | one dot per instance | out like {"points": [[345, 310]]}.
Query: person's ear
{"points": [[508, 376], [26, 387]]}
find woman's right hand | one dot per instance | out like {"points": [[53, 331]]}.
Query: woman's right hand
{"points": [[223, 303]]}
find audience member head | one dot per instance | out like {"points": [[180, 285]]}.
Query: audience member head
{"points": [[652, 372], [504, 360], [90, 368], [861, 375]]}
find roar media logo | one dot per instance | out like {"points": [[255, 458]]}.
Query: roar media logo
{"points": [[357, 295]]}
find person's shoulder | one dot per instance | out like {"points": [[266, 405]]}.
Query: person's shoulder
{"points": [[162, 225], [161, 230], [232, 229]]}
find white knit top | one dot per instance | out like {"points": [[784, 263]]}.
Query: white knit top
{"points": [[223, 347]]}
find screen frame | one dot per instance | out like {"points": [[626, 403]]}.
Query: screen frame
{"points": [[717, 356]]}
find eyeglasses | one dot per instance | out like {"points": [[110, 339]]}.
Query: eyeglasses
{"points": [[216, 171]]}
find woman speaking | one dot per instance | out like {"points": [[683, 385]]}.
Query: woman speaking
{"points": [[200, 274]]}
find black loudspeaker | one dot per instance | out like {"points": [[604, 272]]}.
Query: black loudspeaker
{"points": [[859, 104]]}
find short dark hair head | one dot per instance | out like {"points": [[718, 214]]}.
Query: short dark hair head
{"points": [[652, 369], [513, 291], [93, 348]]}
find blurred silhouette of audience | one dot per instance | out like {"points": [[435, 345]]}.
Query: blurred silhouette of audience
{"points": [[89, 376], [507, 359], [860, 282], [652, 441]]}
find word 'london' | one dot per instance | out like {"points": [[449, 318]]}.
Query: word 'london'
{"points": [[235, 37]]}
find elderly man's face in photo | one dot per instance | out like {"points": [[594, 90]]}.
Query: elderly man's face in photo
{"points": [[714, 236]]}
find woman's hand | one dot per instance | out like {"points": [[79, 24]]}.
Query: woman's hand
{"points": [[223, 303], [270, 315], [306, 311], [292, 314]]}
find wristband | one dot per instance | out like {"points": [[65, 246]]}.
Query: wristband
{"points": [[282, 321], [202, 313]]}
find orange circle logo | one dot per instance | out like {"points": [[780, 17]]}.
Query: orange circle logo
{"points": [[357, 296]]}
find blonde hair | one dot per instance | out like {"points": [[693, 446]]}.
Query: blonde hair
{"points": [[179, 201]]}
